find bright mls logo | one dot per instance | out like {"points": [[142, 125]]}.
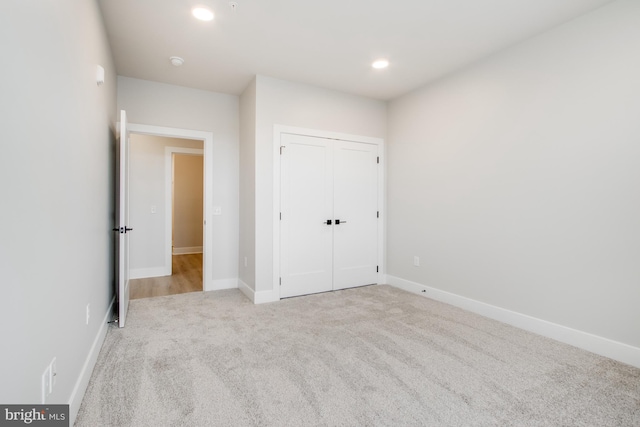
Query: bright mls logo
{"points": [[35, 415]]}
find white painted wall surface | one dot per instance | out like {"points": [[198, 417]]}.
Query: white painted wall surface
{"points": [[516, 180], [147, 249], [247, 273], [293, 104], [165, 105], [57, 168]]}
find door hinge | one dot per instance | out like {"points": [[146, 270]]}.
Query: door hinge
{"points": [[280, 281], [281, 147], [378, 159], [280, 216], [377, 269], [378, 214]]}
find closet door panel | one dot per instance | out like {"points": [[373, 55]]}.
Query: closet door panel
{"points": [[306, 204], [355, 198]]}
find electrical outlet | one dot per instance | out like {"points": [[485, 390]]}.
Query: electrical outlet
{"points": [[416, 261], [87, 313]]}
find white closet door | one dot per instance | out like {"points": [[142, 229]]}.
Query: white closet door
{"points": [[306, 204], [355, 248]]}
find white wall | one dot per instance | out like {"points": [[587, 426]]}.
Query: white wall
{"points": [[57, 162], [147, 188], [247, 273], [292, 104], [516, 180], [159, 104]]}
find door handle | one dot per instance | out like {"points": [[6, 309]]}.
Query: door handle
{"points": [[338, 222], [123, 230], [328, 222]]}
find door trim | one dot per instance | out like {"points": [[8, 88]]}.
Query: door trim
{"points": [[278, 130], [207, 138]]}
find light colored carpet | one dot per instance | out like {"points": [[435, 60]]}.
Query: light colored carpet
{"points": [[372, 356]]}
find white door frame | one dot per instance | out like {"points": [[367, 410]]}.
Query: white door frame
{"points": [[207, 138], [278, 130], [168, 202]]}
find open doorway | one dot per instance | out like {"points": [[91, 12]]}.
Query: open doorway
{"points": [[187, 229], [167, 204]]}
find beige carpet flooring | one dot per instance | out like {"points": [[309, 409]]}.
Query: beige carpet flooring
{"points": [[372, 356]]}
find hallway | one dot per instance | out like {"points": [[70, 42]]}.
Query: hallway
{"points": [[186, 277]]}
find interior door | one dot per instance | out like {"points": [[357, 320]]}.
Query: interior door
{"points": [[355, 201], [306, 204], [123, 221], [328, 224]]}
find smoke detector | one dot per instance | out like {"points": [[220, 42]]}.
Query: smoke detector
{"points": [[176, 61]]}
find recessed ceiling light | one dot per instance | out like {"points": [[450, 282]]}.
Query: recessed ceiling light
{"points": [[380, 63], [176, 61], [202, 13]]}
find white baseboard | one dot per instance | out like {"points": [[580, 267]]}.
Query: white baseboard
{"points": [[143, 273], [220, 284], [260, 297], [246, 290], [187, 250], [87, 369], [603, 346]]}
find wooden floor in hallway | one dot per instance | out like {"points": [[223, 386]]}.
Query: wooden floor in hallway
{"points": [[186, 277]]}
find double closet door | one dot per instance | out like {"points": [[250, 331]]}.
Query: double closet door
{"points": [[329, 214]]}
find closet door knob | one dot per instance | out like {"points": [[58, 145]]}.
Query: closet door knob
{"points": [[328, 222], [338, 222]]}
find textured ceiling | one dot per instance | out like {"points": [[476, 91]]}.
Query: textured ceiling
{"points": [[326, 43]]}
